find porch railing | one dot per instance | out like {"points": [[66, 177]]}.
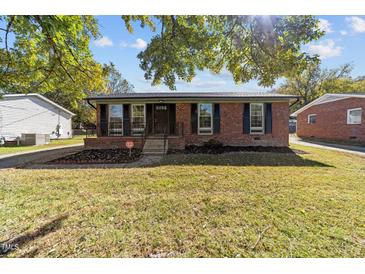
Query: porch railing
{"points": [[133, 129]]}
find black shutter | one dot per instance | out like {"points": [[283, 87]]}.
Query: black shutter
{"points": [[194, 118], [268, 118], [149, 117], [172, 118], [103, 119], [246, 118], [126, 120], [216, 118]]}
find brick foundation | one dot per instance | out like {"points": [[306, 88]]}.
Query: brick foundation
{"points": [[111, 142]]}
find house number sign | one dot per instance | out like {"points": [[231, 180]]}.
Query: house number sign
{"points": [[161, 107]]}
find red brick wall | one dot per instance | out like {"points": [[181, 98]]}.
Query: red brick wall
{"points": [[231, 131], [111, 142], [331, 121]]}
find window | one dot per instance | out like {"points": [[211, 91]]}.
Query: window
{"points": [[257, 118], [354, 116], [312, 118], [138, 119], [115, 125], [205, 119]]}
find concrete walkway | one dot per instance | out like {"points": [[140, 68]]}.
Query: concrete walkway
{"points": [[358, 150], [22, 158]]}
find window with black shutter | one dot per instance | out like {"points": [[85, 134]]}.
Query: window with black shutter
{"points": [[205, 119], [216, 118], [194, 118], [103, 120], [246, 118], [126, 120], [268, 118]]}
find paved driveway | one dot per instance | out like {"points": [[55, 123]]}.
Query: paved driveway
{"points": [[23, 158], [337, 147]]}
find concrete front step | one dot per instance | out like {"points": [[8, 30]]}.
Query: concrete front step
{"points": [[153, 153], [155, 146]]}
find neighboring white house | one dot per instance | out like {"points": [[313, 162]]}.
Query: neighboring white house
{"points": [[33, 113]]}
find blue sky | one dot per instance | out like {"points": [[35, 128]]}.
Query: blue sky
{"points": [[344, 42]]}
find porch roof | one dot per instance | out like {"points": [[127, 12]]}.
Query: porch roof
{"points": [[174, 96]]}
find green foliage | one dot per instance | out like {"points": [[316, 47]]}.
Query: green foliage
{"points": [[116, 83], [313, 82], [50, 54], [250, 47]]}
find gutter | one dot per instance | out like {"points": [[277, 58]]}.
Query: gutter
{"points": [[186, 100], [295, 102], [90, 104]]}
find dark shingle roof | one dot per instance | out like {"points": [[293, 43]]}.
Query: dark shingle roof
{"points": [[193, 95]]}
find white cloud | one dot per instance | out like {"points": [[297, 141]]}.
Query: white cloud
{"points": [[325, 25], [357, 24], [123, 44], [197, 83], [343, 32], [325, 49], [138, 44], [103, 42], [224, 75]]}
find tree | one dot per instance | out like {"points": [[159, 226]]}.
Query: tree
{"points": [[250, 47], [49, 54], [49, 48], [313, 82], [116, 83]]}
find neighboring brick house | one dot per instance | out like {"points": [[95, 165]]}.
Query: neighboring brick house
{"points": [[185, 118], [333, 117]]}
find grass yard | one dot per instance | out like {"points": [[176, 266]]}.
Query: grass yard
{"points": [[229, 205], [79, 139]]}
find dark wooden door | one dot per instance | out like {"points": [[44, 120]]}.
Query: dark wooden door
{"points": [[161, 118]]}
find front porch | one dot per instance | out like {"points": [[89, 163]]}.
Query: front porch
{"points": [[119, 123], [137, 120]]}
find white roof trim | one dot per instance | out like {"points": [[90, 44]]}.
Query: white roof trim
{"points": [[327, 98], [40, 97]]}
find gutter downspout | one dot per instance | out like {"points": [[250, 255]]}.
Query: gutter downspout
{"points": [[90, 104], [296, 101]]}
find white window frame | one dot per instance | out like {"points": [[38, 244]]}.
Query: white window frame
{"points": [[133, 129], [255, 130], [348, 116], [109, 116], [308, 118], [211, 120]]}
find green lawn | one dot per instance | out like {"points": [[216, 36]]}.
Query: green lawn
{"points": [[231, 205], [79, 139]]}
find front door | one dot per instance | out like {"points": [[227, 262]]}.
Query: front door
{"points": [[161, 119]]}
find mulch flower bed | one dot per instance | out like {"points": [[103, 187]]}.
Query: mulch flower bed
{"points": [[99, 156], [194, 149]]}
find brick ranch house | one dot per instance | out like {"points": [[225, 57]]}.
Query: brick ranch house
{"points": [[333, 117], [185, 118]]}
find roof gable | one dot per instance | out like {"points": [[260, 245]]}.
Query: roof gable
{"points": [[328, 98], [9, 96]]}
